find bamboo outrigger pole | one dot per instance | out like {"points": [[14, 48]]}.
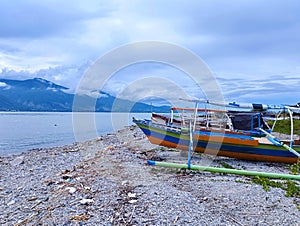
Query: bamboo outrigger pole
{"points": [[277, 142], [224, 170], [192, 129]]}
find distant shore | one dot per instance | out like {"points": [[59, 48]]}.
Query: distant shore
{"points": [[106, 182]]}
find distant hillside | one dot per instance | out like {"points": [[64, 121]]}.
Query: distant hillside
{"points": [[41, 95]]}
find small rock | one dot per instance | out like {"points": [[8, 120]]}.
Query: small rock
{"points": [[11, 202], [67, 176], [132, 201], [65, 171], [72, 150], [86, 201], [71, 189]]}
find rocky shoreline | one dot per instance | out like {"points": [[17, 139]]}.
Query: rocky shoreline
{"points": [[107, 182]]}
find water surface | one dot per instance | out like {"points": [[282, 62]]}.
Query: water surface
{"points": [[21, 131]]}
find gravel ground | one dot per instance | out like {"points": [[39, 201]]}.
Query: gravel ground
{"points": [[107, 182]]}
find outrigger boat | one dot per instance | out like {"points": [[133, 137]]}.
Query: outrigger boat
{"points": [[223, 133]]}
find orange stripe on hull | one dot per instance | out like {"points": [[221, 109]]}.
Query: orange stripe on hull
{"points": [[237, 155], [228, 140]]}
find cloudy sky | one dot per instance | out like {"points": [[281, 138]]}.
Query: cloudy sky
{"points": [[252, 47]]}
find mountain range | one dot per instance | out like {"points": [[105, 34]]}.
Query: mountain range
{"points": [[38, 94]]}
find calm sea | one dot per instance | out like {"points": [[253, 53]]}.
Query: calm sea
{"points": [[21, 131]]}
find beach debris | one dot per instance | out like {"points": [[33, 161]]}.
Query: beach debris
{"points": [[65, 171], [66, 175], [109, 148], [132, 201], [11, 202], [75, 149], [32, 199], [82, 217], [86, 201], [48, 182], [38, 203], [131, 195], [21, 222], [72, 190], [17, 161], [134, 194], [87, 188]]}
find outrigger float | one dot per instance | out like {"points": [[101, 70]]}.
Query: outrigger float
{"points": [[240, 135]]}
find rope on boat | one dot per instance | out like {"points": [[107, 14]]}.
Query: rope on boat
{"points": [[224, 170]]}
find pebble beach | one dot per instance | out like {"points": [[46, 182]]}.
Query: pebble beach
{"points": [[107, 182]]}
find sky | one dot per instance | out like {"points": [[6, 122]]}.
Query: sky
{"points": [[251, 47]]}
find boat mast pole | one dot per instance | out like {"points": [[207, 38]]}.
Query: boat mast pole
{"points": [[292, 127], [192, 131], [275, 121], [195, 116], [206, 117], [172, 116]]}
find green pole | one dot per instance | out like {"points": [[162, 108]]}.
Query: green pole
{"points": [[224, 170]]}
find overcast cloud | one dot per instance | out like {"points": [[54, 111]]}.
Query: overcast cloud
{"points": [[252, 47]]}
